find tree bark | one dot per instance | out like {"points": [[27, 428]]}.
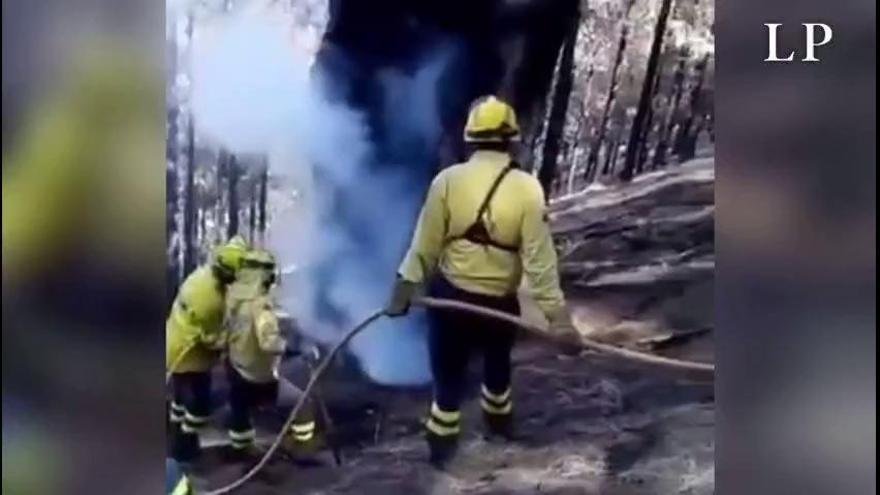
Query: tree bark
{"points": [[686, 140], [264, 192], [558, 110], [645, 136], [593, 157], [572, 168], [189, 197], [643, 108], [659, 158], [252, 208], [171, 207], [232, 185]]}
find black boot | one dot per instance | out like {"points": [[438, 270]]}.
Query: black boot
{"points": [[303, 452], [442, 449], [499, 426], [186, 448]]}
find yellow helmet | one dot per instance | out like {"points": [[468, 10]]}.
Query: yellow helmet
{"points": [[491, 121], [262, 260], [228, 257], [259, 258]]}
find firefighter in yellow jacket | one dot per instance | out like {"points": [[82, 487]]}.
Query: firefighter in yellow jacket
{"points": [[194, 339], [483, 225], [256, 348]]}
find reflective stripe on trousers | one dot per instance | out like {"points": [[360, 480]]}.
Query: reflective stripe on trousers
{"points": [[443, 423], [499, 404], [242, 439], [303, 432], [193, 423]]}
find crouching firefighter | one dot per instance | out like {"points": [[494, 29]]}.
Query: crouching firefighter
{"points": [[194, 338], [483, 225], [256, 348]]}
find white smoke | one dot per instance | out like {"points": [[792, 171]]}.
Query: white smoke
{"points": [[252, 92]]}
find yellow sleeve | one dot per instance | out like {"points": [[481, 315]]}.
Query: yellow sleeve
{"points": [[268, 333], [208, 320], [427, 242], [538, 254]]}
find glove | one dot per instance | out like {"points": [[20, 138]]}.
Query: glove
{"points": [[562, 328], [401, 297]]}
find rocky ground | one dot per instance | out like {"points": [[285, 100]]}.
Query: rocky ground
{"points": [[637, 264]]}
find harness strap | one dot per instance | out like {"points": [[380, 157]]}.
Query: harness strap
{"points": [[477, 232]]}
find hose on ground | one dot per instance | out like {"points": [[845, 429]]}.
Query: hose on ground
{"points": [[436, 303], [611, 350]]}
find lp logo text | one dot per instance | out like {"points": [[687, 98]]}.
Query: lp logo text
{"points": [[810, 44]]}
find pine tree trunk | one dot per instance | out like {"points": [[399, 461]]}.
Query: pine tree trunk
{"points": [[611, 155], [232, 185], [572, 168], [645, 136], [593, 157], [558, 110], [252, 208], [264, 193], [171, 196], [660, 150], [686, 140], [189, 197], [643, 108]]}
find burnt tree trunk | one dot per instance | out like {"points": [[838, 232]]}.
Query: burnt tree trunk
{"points": [[264, 191], [686, 140], [572, 168], [232, 193], [643, 108], [252, 208], [593, 157], [171, 208], [645, 136], [660, 150], [189, 198], [611, 154], [558, 110]]}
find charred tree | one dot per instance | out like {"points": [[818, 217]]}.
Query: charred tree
{"points": [[252, 209], [171, 208], [686, 140], [666, 129], [645, 136], [629, 167], [233, 174], [612, 149], [263, 197], [558, 109], [593, 156], [487, 47], [189, 201]]}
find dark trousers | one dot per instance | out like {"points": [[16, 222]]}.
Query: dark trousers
{"points": [[454, 336], [244, 397], [190, 412], [191, 400]]}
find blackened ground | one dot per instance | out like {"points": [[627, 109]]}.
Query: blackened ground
{"points": [[587, 425], [638, 265]]}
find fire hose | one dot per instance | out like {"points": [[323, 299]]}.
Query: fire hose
{"points": [[430, 302]]}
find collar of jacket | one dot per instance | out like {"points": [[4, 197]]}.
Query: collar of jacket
{"points": [[489, 156]]}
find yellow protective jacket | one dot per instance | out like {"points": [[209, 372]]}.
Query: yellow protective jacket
{"points": [[516, 216], [194, 334], [255, 341]]}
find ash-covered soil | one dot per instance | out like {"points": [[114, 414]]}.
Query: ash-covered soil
{"points": [[587, 425], [637, 265]]}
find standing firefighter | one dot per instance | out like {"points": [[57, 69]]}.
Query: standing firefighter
{"points": [[256, 348], [194, 338], [483, 225]]}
